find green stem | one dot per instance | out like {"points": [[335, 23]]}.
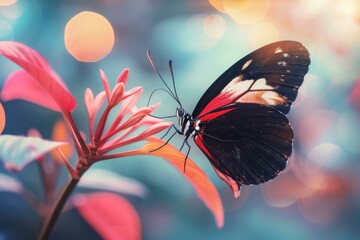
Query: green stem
{"points": [[57, 208]]}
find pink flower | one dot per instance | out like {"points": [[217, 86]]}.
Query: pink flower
{"points": [[119, 134], [48, 90]]}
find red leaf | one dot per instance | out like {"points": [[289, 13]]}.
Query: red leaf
{"points": [[30, 90], [36, 65], [205, 190], [110, 215]]}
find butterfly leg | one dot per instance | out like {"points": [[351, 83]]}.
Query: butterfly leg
{"points": [[169, 129], [167, 132], [188, 151]]}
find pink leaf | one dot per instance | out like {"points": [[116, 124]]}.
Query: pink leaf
{"points": [[30, 90], [110, 215], [102, 179], [36, 65], [205, 190], [9, 184], [17, 151], [234, 186]]}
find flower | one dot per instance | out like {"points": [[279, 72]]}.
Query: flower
{"points": [[119, 134], [131, 124]]}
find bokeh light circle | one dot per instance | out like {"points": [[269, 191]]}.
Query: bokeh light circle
{"points": [[2, 118], [214, 26], [263, 33], [244, 11], [7, 2], [89, 37]]}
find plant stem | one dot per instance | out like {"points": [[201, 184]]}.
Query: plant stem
{"points": [[57, 208], [79, 141]]}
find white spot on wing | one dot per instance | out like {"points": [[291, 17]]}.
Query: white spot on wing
{"points": [[286, 55], [246, 64], [197, 125], [272, 98], [237, 85], [278, 50], [282, 63], [262, 96], [261, 84]]}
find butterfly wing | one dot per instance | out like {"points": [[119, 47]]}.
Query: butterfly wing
{"points": [[270, 75], [248, 142]]}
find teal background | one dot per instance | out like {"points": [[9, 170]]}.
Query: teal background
{"points": [[317, 197]]}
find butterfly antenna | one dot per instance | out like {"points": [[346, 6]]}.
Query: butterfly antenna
{"points": [[156, 90], [152, 93], [162, 79], [173, 82]]}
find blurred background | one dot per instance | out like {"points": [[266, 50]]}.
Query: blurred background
{"points": [[316, 197]]}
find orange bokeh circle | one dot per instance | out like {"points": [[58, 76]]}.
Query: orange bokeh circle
{"points": [[89, 36]]}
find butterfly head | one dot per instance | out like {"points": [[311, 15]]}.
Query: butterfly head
{"points": [[180, 112]]}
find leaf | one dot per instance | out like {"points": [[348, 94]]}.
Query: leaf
{"points": [[17, 151], [36, 65], [205, 190], [29, 91], [10, 184], [2, 118], [110, 215], [110, 181]]}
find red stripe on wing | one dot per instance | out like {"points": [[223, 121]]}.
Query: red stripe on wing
{"points": [[208, 116]]}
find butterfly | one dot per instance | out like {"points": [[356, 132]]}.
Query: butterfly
{"points": [[240, 121]]}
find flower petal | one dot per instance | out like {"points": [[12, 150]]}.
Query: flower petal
{"points": [[119, 142], [205, 190], [123, 77], [135, 118], [36, 65], [129, 99], [17, 151], [2, 118], [89, 103], [99, 100], [154, 129], [110, 215], [106, 84], [29, 91], [148, 120], [101, 179], [116, 95]]}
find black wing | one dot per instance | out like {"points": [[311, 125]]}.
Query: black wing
{"points": [[277, 68], [248, 142]]}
